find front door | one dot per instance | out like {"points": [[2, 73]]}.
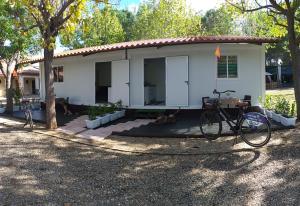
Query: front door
{"points": [[33, 87], [120, 82], [177, 80]]}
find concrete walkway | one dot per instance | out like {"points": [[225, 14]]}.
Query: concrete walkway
{"points": [[77, 127]]}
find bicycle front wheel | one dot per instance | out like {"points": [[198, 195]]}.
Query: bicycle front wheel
{"points": [[255, 129], [210, 124]]}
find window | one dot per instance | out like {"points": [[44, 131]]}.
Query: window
{"points": [[58, 74], [227, 67]]}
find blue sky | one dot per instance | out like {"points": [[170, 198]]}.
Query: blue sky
{"points": [[198, 5]]}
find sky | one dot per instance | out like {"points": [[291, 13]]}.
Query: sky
{"points": [[198, 5]]}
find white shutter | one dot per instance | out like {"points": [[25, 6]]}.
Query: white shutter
{"points": [[177, 85], [120, 81]]}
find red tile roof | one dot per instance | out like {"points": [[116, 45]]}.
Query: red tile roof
{"points": [[158, 43], [29, 70]]}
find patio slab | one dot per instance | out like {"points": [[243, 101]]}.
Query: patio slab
{"points": [[40, 116], [183, 128], [106, 131]]}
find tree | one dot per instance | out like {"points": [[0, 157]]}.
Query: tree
{"points": [[106, 28], [15, 42], [220, 21], [127, 19], [51, 16], [165, 19], [285, 15]]}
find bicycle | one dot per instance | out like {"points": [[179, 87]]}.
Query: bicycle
{"points": [[26, 107], [254, 128]]}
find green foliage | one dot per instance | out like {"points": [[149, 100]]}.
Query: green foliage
{"points": [[282, 106], [17, 95], [221, 21], [165, 19], [293, 109], [266, 23], [92, 112], [267, 103], [127, 19], [103, 27], [12, 24]]}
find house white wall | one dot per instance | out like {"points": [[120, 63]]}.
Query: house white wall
{"points": [[79, 72], [2, 87]]}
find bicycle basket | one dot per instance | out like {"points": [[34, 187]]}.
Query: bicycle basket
{"points": [[211, 103]]}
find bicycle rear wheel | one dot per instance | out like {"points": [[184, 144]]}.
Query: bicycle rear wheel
{"points": [[255, 129], [210, 124]]}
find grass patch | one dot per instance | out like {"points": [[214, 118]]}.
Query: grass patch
{"points": [[287, 93]]}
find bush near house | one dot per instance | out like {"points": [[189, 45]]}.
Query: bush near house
{"points": [[281, 101]]}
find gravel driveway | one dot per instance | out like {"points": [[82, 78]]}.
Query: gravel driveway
{"points": [[37, 169]]}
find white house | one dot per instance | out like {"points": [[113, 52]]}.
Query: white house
{"points": [[160, 73], [26, 78], [29, 80]]}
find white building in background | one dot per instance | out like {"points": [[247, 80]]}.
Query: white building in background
{"points": [[26, 78], [160, 73], [29, 80]]}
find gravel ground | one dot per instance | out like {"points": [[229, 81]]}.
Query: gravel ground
{"points": [[37, 169]]}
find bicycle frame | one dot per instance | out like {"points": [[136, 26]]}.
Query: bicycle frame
{"points": [[234, 126]]}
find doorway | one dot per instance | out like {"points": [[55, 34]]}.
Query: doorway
{"points": [[155, 82], [33, 87], [102, 82]]}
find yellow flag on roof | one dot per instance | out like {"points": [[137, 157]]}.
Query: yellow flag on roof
{"points": [[218, 52]]}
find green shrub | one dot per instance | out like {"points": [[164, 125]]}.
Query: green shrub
{"points": [[268, 103], [282, 106], [17, 96], [293, 110], [106, 109], [92, 112]]}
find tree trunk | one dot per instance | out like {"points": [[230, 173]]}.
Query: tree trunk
{"points": [[296, 78], [49, 86], [295, 52], [9, 93]]}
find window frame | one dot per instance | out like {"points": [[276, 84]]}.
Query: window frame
{"points": [[57, 66], [227, 75]]}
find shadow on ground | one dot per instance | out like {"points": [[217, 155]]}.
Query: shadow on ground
{"points": [[38, 169]]}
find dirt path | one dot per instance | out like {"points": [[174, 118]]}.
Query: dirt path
{"points": [[37, 169]]}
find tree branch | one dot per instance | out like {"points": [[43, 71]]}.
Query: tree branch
{"points": [[63, 8], [243, 8], [278, 7], [276, 20], [38, 22], [288, 4], [29, 28]]}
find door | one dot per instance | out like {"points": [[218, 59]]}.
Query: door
{"points": [[177, 80], [120, 82], [103, 81], [33, 87]]}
